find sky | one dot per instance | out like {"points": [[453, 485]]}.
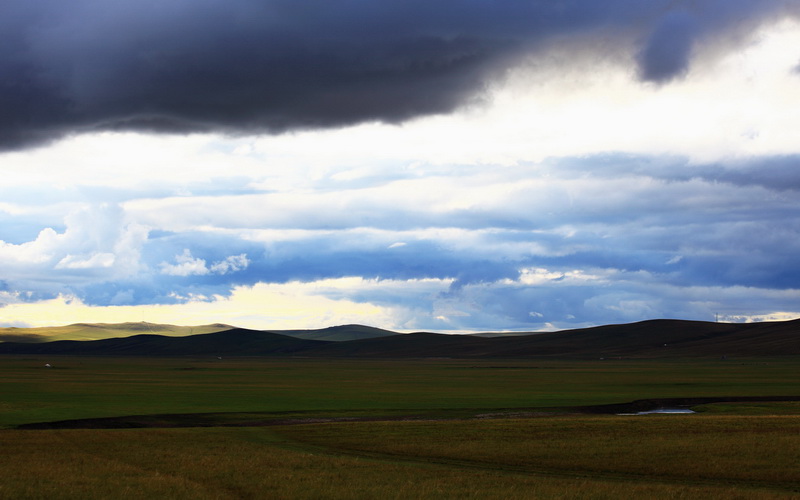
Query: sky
{"points": [[448, 166]]}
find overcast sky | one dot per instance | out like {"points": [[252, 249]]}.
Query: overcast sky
{"points": [[447, 166]]}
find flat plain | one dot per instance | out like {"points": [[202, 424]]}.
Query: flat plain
{"points": [[411, 428]]}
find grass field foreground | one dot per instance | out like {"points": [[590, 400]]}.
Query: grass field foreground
{"points": [[262, 463], [728, 451], [748, 450]]}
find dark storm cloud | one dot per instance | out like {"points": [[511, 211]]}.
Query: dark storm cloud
{"points": [[668, 51], [668, 48], [252, 66]]}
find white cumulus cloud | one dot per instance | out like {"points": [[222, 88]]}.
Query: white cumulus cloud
{"points": [[188, 265]]}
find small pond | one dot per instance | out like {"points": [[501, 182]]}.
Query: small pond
{"points": [[663, 411]]}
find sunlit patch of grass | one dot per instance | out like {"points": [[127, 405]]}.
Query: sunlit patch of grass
{"points": [[96, 331]]}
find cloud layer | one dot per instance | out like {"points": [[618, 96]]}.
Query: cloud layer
{"points": [[624, 163], [242, 66], [567, 242]]}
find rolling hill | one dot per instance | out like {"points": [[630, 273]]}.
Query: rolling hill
{"points": [[662, 338], [646, 339], [98, 331], [233, 342], [341, 333]]}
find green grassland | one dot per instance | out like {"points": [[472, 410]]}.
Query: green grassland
{"points": [[735, 450], [105, 387]]}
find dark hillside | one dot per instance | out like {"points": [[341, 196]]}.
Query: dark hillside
{"points": [[235, 342], [652, 339], [339, 333], [646, 339], [663, 338], [643, 338]]}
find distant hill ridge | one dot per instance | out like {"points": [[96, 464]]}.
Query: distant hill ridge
{"points": [[339, 333], [98, 331], [646, 339]]}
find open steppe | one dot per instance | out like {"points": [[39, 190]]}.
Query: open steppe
{"points": [[197, 426]]}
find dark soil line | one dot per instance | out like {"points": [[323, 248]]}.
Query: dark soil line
{"points": [[657, 404], [214, 419]]}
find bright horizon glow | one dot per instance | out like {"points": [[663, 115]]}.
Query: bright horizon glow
{"points": [[291, 306]]}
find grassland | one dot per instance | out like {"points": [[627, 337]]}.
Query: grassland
{"points": [[743, 450], [412, 460], [104, 387]]}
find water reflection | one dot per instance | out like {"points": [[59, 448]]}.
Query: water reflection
{"points": [[667, 411]]}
